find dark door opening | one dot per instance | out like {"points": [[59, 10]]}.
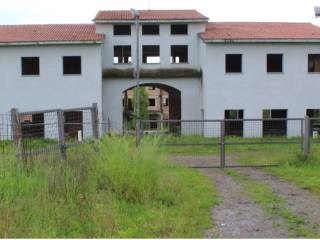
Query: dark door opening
{"points": [[272, 126], [235, 126], [73, 123], [314, 114]]}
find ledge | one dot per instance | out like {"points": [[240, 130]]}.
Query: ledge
{"points": [[153, 73]]}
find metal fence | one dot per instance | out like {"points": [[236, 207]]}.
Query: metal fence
{"points": [[232, 143]]}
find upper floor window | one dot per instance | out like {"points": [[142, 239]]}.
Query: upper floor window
{"points": [[30, 66], [233, 63], [122, 54], [274, 63], [179, 29], [179, 54], [151, 54], [123, 29], [314, 63], [152, 102], [72, 65], [150, 29]]}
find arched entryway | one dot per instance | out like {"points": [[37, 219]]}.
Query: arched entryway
{"points": [[164, 103]]}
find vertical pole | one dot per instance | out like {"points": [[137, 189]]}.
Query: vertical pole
{"points": [[94, 120], [302, 134], [109, 127], [17, 131], [138, 132], [62, 142], [222, 144], [137, 72], [202, 122], [306, 139]]}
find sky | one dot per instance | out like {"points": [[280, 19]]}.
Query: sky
{"points": [[83, 11]]}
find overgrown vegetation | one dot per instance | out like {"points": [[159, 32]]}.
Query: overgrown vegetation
{"points": [[274, 205], [110, 189]]}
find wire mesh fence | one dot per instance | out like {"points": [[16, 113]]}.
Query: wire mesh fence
{"points": [[231, 143]]}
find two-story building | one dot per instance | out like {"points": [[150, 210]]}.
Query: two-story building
{"points": [[210, 70]]}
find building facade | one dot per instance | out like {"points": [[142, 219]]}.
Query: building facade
{"points": [[209, 70]]}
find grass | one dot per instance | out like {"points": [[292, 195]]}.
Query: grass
{"points": [[274, 205], [109, 189]]}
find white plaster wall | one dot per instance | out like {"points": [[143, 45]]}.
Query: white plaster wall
{"points": [[164, 39], [254, 89], [51, 89], [113, 89]]}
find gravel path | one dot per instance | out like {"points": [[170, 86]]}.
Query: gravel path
{"points": [[237, 216], [300, 202]]}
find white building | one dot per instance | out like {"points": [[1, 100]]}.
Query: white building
{"points": [[210, 70]]}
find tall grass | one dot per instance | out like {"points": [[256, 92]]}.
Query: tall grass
{"points": [[107, 189]]}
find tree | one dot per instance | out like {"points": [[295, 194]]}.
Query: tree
{"points": [[144, 104]]}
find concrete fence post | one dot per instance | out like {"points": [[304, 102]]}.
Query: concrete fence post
{"points": [[95, 120], [306, 138], [222, 144], [17, 131], [62, 141]]}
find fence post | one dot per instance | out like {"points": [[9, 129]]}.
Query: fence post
{"points": [[95, 120], [62, 141], [109, 127], [306, 139], [302, 134], [16, 131], [138, 132], [222, 144]]}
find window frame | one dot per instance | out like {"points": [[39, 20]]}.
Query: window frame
{"points": [[155, 102], [267, 65], [150, 34], [308, 63], [63, 66], [30, 74], [187, 55], [143, 54], [119, 25], [122, 46], [179, 24], [241, 63]]}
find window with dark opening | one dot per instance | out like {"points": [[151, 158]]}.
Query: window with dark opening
{"points": [[179, 29], [122, 54], [150, 29], [152, 102], [314, 63], [73, 123], [274, 123], [32, 125], [124, 29], [72, 65], [233, 63], [166, 101], [151, 54], [314, 114], [274, 63], [179, 54], [234, 127], [30, 66]]}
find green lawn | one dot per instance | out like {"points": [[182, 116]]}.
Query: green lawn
{"points": [[108, 189]]}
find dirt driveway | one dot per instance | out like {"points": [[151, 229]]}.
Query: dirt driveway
{"points": [[238, 216]]}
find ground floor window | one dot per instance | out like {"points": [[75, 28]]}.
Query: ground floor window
{"points": [[274, 123], [314, 114], [234, 127], [32, 125], [73, 123]]}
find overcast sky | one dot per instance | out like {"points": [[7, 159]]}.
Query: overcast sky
{"points": [[82, 11]]}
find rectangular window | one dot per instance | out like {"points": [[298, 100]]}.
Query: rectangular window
{"points": [[73, 123], [314, 114], [152, 102], [32, 126], [123, 29], [179, 29], [274, 63], [233, 63], [314, 63], [179, 54], [30, 66], [273, 124], [151, 54], [150, 29], [72, 65], [234, 127], [166, 101], [122, 54]]}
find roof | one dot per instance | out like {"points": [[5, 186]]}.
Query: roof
{"points": [[50, 33], [151, 15], [218, 32]]}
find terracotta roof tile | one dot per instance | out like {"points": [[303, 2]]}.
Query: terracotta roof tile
{"points": [[261, 31], [49, 33], [151, 15]]}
